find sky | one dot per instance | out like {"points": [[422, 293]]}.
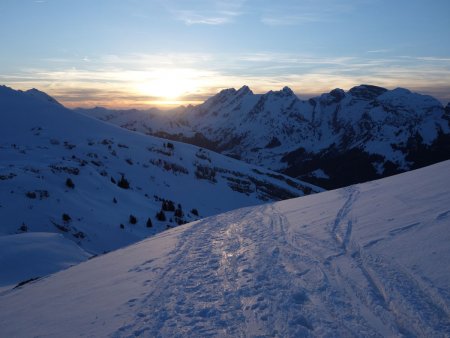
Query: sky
{"points": [[144, 53]]}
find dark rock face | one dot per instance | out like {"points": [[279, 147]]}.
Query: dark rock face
{"points": [[274, 142], [341, 167]]}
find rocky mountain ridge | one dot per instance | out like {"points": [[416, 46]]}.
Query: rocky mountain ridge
{"points": [[335, 139]]}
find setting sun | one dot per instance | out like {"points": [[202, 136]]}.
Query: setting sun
{"points": [[168, 84]]}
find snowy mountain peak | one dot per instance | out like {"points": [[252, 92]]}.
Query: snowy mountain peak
{"points": [[412, 103], [400, 91], [367, 92], [335, 96], [283, 93], [244, 90], [26, 101], [4, 88], [338, 93], [223, 94], [42, 96], [227, 92], [33, 95], [6, 92]]}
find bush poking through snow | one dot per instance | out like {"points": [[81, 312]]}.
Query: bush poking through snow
{"points": [[167, 205], [66, 217], [180, 221], [178, 212], [205, 173], [149, 223], [123, 183], [69, 183], [194, 212], [23, 228], [31, 194], [132, 219], [161, 216]]}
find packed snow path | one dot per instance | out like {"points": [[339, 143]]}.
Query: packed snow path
{"points": [[367, 260], [253, 276]]}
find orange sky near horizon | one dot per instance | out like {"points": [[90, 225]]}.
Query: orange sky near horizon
{"points": [[147, 81]]}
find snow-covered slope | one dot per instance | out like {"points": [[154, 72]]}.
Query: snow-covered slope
{"points": [[31, 255], [367, 260], [99, 185], [377, 131]]}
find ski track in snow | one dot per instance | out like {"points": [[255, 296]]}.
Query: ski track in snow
{"points": [[226, 285], [342, 228]]}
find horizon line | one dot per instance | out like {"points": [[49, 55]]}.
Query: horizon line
{"points": [[141, 102]]}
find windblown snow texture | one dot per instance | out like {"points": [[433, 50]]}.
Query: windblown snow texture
{"points": [[366, 260]]}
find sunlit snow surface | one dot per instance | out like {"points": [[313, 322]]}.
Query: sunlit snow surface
{"points": [[367, 260]]}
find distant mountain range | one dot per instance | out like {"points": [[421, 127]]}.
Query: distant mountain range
{"points": [[333, 140], [104, 187]]}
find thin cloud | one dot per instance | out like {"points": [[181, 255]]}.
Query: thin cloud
{"points": [[211, 12], [290, 20], [378, 51], [433, 59], [194, 18], [304, 12]]}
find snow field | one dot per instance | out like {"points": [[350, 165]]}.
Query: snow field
{"points": [[367, 260]]}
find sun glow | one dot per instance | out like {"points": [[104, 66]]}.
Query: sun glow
{"points": [[168, 85]]}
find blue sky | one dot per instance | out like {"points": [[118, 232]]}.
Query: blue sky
{"points": [[134, 53]]}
